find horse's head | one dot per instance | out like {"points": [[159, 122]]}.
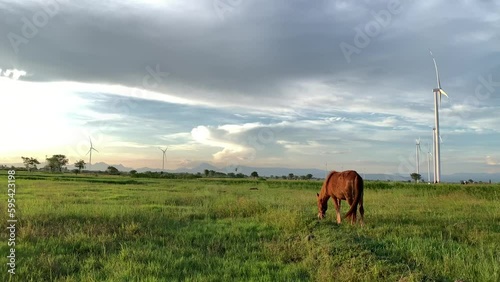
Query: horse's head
{"points": [[322, 206]]}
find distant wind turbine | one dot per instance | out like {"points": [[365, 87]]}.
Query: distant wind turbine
{"points": [[164, 156], [90, 152], [437, 92], [417, 155], [429, 154], [433, 154]]}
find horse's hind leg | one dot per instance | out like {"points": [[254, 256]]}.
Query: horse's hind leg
{"points": [[353, 218], [336, 201], [353, 215], [361, 212]]}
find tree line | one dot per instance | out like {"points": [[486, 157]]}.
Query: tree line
{"points": [[57, 163]]}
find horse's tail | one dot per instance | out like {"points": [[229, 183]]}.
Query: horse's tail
{"points": [[358, 187]]}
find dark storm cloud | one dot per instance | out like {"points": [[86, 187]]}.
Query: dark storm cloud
{"points": [[252, 52]]}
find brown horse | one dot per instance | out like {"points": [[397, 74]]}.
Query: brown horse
{"points": [[345, 185]]}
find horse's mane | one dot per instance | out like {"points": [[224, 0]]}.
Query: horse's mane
{"points": [[324, 189]]}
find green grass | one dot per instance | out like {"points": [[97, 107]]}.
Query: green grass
{"points": [[86, 228]]}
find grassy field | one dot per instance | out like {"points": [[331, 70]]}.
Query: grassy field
{"points": [[90, 228]]}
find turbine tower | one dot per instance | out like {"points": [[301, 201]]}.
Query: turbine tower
{"points": [[417, 155], [437, 154], [433, 154], [90, 152], [164, 156], [429, 154]]}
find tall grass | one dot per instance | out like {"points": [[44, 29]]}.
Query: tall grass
{"points": [[220, 230]]}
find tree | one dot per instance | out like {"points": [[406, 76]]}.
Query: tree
{"points": [[133, 172], [415, 176], [206, 172], [30, 163], [291, 176], [254, 174], [56, 162], [80, 165], [309, 176], [112, 170]]}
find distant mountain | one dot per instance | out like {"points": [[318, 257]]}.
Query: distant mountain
{"points": [[280, 171], [199, 168], [484, 177], [103, 166], [318, 173]]}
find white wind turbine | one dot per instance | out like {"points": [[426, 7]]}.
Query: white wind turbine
{"points": [[437, 154], [429, 155], [433, 154], [417, 155], [90, 152], [164, 156]]}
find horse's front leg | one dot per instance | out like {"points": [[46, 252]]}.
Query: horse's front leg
{"points": [[336, 201]]}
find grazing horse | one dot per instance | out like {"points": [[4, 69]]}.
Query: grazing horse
{"points": [[346, 185]]}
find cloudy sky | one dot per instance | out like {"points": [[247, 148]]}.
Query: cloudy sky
{"points": [[295, 83]]}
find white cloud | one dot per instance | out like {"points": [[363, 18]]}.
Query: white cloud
{"points": [[475, 37], [13, 73], [492, 161], [234, 149]]}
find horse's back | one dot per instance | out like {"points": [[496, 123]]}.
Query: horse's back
{"points": [[343, 182]]}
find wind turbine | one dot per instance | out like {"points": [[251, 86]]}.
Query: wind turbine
{"points": [[429, 154], [417, 155], [164, 155], [90, 152], [437, 154]]}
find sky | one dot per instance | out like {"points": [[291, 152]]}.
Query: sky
{"points": [[300, 84]]}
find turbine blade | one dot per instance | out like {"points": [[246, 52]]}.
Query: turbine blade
{"points": [[436, 67], [95, 150], [441, 91]]}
